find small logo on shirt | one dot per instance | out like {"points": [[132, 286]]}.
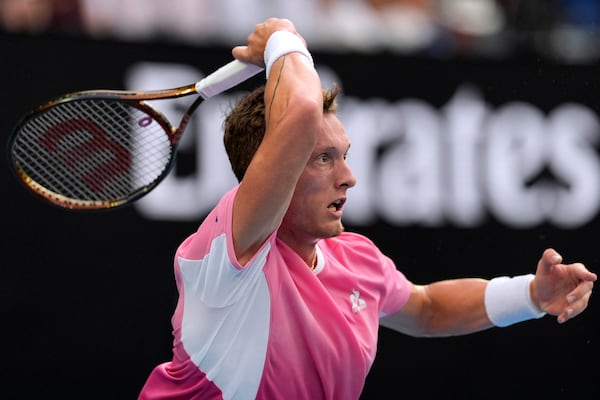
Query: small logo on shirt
{"points": [[357, 303]]}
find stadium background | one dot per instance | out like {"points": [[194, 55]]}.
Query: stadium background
{"points": [[86, 299]]}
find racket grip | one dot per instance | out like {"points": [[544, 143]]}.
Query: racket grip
{"points": [[226, 77]]}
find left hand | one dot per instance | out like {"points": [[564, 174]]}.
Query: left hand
{"points": [[560, 289]]}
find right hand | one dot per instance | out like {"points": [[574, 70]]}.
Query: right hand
{"points": [[254, 51]]}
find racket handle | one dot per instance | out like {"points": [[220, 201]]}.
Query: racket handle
{"points": [[226, 77]]}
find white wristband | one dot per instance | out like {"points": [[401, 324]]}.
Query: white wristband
{"points": [[281, 43], [508, 301]]}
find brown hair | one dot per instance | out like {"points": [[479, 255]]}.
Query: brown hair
{"points": [[245, 127]]}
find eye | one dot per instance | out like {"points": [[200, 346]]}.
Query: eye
{"points": [[323, 158]]}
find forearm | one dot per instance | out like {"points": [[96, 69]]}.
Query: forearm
{"points": [[443, 308], [456, 307], [462, 306], [293, 112]]}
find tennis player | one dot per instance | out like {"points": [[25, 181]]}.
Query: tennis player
{"points": [[276, 299]]}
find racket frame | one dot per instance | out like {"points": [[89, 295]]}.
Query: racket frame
{"points": [[224, 78]]}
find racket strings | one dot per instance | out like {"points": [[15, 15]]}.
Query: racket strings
{"points": [[93, 150]]}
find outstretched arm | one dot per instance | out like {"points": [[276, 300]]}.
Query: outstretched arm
{"points": [[462, 306]]}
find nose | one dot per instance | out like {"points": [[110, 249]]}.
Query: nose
{"points": [[347, 178]]}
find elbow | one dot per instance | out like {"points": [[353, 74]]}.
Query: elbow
{"points": [[306, 111], [308, 103]]}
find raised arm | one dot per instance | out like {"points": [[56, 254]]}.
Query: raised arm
{"points": [[294, 110]]}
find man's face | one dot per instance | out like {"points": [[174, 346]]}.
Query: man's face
{"points": [[315, 211]]}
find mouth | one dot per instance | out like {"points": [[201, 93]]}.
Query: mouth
{"points": [[336, 205]]}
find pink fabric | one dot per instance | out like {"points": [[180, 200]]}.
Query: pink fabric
{"points": [[283, 331]]}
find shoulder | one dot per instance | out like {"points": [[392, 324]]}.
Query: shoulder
{"points": [[351, 239], [216, 223], [355, 245]]}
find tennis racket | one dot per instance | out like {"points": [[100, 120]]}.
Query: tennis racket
{"points": [[102, 149]]}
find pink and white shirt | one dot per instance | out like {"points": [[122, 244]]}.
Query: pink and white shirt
{"points": [[274, 329]]}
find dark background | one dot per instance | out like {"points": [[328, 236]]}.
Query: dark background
{"points": [[86, 299]]}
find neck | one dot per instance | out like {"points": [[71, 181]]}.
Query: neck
{"points": [[306, 251]]}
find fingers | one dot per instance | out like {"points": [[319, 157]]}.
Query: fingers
{"points": [[577, 301], [249, 54], [559, 278], [582, 273], [253, 52], [241, 53], [551, 257]]}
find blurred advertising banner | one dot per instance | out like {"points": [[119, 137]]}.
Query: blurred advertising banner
{"points": [[435, 142]]}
